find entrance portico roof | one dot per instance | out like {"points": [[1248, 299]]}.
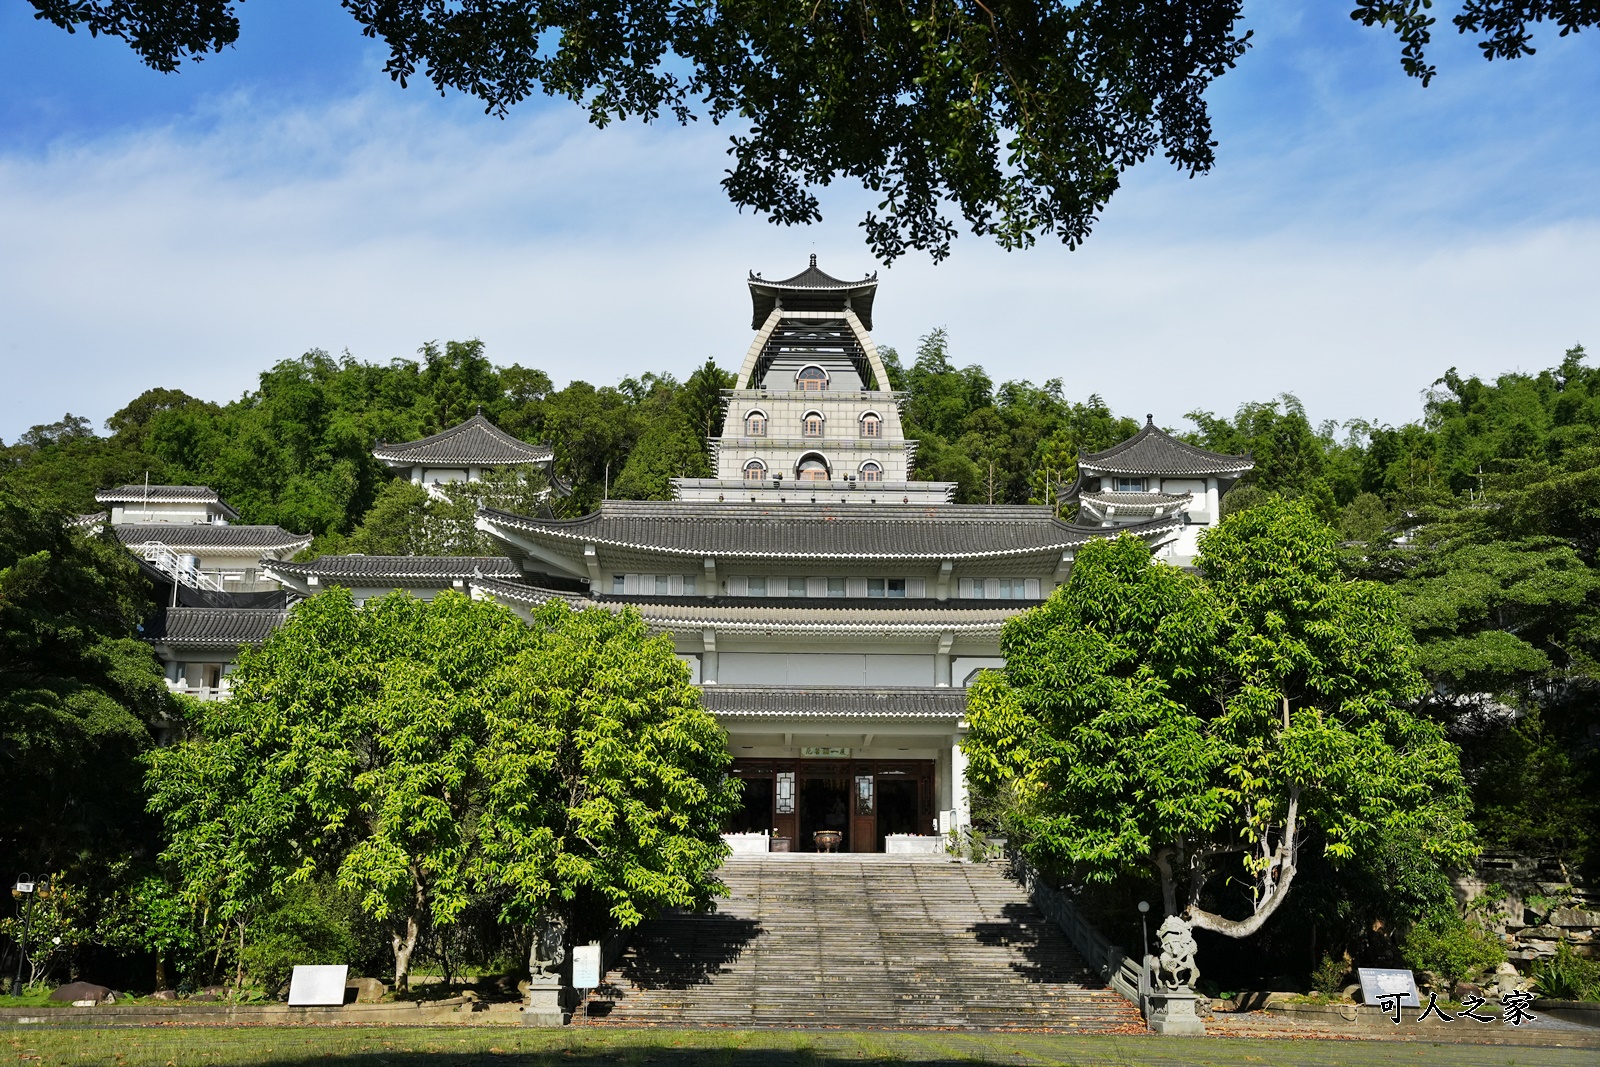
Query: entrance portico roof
{"points": [[821, 704]]}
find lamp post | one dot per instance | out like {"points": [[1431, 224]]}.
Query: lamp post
{"points": [[25, 887], [1144, 927]]}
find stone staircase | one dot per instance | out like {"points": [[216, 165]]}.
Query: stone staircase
{"points": [[859, 941]]}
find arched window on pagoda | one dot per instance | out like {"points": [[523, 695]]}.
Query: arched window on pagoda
{"points": [[871, 425], [812, 379], [755, 423], [812, 424], [871, 472], [813, 468], [755, 471]]}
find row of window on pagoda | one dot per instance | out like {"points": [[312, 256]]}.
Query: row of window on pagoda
{"points": [[813, 468], [869, 425]]}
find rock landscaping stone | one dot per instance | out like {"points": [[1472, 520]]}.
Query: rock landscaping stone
{"points": [[76, 992], [368, 990]]}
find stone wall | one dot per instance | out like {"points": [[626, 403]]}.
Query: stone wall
{"points": [[1532, 904]]}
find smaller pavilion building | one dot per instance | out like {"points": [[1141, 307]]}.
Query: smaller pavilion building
{"points": [[462, 454], [1154, 476]]}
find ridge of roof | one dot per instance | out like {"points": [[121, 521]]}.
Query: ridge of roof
{"points": [[473, 442], [1154, 451]]}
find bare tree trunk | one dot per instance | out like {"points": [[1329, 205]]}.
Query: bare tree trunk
{"points": [[161, 971], [1169, 888], [404, 945], [238, 971], [1275, 880]]}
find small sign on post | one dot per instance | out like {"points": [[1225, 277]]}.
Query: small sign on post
{"points": [[1381, 982], [321, 985], [586, 966]]}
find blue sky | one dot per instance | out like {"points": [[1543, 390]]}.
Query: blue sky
{"points": [[1359, 234]]}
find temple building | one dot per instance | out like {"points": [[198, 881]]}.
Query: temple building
{"points": [[832, 608]]}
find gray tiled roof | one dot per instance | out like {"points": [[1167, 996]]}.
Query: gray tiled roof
{"points": [[163, 494], [476, 442], [813, 531], [216, 628], [753, 701], [1153, 451], [1136, 503], [401, 568], [181, 535]]}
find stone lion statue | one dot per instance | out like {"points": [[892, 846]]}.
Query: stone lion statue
{"points": [[549, 949], [1176, 968]]}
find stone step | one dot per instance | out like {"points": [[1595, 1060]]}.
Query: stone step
{"points": [[859, 941]]}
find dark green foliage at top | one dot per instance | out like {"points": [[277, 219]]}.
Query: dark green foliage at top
{"points": [[1019, 117]]}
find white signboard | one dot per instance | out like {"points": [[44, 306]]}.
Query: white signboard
{"points": [[320, 985], [586, 966], [1383, 982]]}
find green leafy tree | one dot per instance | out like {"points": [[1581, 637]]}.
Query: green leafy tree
{"points": [[430, 755], [604, 781], [1200, 726], [348, 746]]}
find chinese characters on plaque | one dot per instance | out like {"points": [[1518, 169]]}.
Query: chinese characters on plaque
{"points": [[1392, 990]]}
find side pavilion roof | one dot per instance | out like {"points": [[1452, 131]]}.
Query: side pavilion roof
{"points": [[1154, 451], [853, 532], [215, 629], [475, 443], [203, 537], [165, 494]]}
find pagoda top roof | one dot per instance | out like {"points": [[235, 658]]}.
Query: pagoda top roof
{"points": [[164, 494], [474, 443], [1154, 451], [812, 290], [810, 531]]}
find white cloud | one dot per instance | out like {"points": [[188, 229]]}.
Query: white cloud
{"points": [[196, 255]]}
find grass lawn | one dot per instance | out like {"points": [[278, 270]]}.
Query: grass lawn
{"points": [[503, 1047]]}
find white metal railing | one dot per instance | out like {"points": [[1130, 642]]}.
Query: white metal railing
{"points": [[199, 692], [174, 566]]}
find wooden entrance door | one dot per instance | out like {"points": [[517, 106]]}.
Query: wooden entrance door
{"points": [[880, 797]]}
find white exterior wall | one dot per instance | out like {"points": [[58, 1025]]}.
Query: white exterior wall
{"points": [[164, 511]]}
